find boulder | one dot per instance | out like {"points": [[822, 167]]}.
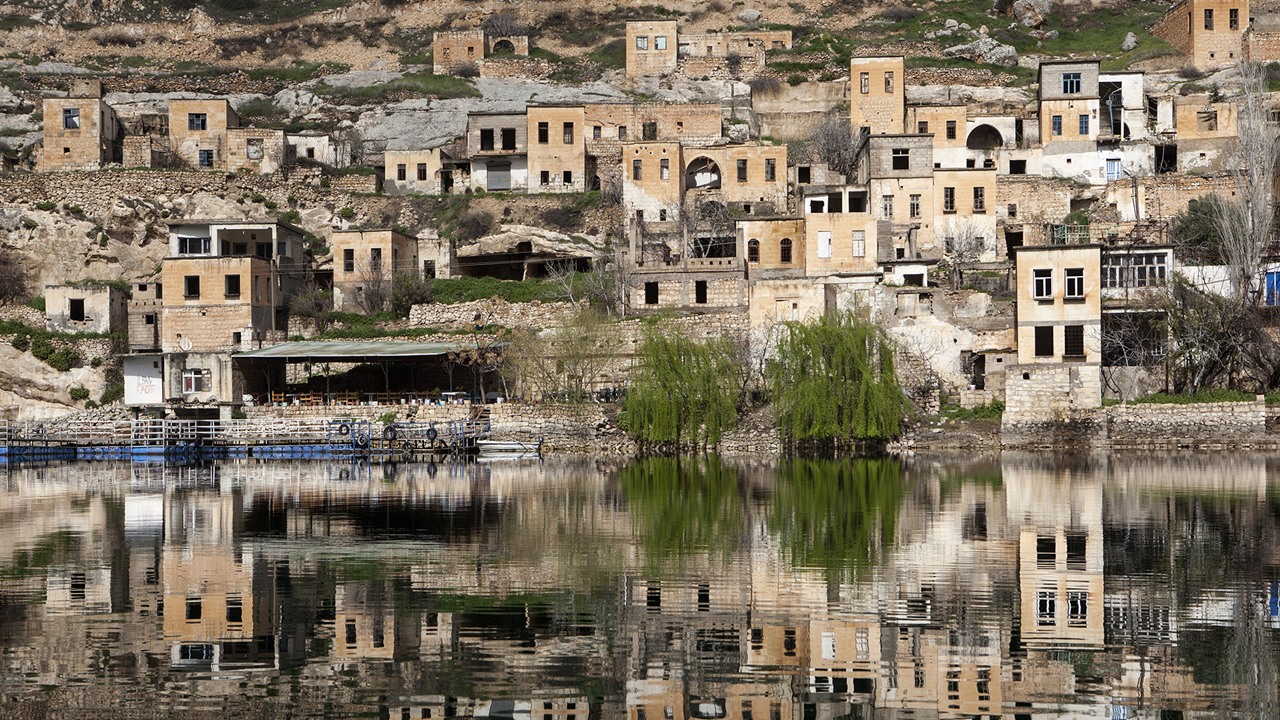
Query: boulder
{"points": [[1130, 42], [750, 16], [951, 24], [985, 50], [1032, 13]]}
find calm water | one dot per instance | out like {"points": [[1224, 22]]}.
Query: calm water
{"points": [[1019, 587]]}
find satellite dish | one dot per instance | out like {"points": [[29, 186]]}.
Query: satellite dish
{"points": [[185, 344]]}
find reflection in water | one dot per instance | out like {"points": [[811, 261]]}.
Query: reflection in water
{"points": [[1028, 587]]}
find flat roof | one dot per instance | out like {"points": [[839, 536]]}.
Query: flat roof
{"points": [[351, 351]]}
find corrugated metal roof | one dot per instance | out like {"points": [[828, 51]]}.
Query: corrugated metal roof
{"points": [[352, 350]]}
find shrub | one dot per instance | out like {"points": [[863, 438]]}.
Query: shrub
{"points": [[796, 79], [46, 206], [347, 213], [503, 23], [292, 217], [474, 224], [112, 393], [900, 14], [78, 393], [468, 70], [409, 289], [21, 342], [764, 85], [1191, 73]]}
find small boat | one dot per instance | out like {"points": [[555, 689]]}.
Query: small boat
{"points": [[508, 447]]}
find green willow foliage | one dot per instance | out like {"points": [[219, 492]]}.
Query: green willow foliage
{"points": [[683, 506], [685, 392], [837, 515], [833, 382]]}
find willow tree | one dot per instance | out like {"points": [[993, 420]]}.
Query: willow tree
{"points": [[833, 383], [685, 392]]}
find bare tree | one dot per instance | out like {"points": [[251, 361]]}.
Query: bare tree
{"points": [[315, 304], [374, 282], [832, 142], [706, 227], [1134, 344], [1245, 224], [965, 244], [562, 363]]}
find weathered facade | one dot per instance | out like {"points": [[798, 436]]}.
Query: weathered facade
{"points": [[1209, 32], [365, 265], [198, 132], [81, 132], [557, 156], [86, 308]]}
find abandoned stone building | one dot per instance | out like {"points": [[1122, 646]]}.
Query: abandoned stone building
{"points": [[457, 50], [81, 131], [1209, 32], [85, 308], [656, 47], [366, 263]]}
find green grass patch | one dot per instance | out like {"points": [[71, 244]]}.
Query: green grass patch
{"points": [[612, 54], [994, 411], [297, 72], [451, 291], [1215, 395], [408, 85]]}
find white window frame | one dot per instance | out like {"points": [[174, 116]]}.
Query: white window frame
{"points": [[859, 241], [1073, 287], [1042, 283], [824, 243], [642, 42], [70, 118], [659, 42], [195, 380]]}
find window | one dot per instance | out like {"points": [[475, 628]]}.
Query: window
{"points": [[951, 129], [1208, 19], [622, 132], [1136, 270], [1012, 210], [193, 381], [253, 148], [742, 171], [149, 319], [922, 127], [948, 199], [637, 169], [1046, 608], [664, 169], [375, 260], [194, 607], [1233, 19], [232, 286], [888, 83], [1073, 341], [1044, 341], [859, 243], [1207, 121], [804, 174], [1042, 284], [76, 311], [191, 286], [596, 132], [1084, 124], [71, 118], [193, 245], [886, 207], [235, 610], [651, 293], [348, 260], [770, 170], [1077, 609], [197, 121], [1074, 289], [913, 206], [700, 292], [206, 158], [1017, 167], [979, 200], [568, 133], [901, 158], [402, 171], [544, 133], [1071, 83], [422, 171], [662, 215], [824, 243], [784, 250], [428, 269], [544, 177], [649, 131], [567, 177], [753, 251], [1056, 125], [642, 42], [659, 42], [508, 138], [1113, 169]]}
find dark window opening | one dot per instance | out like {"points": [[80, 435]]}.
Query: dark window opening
{"points": [[804, 174], [544, 133], [1073, 341], [649, 131], [700, 292], [1017, 167], [232, 286], [784, 250], [508, 138], [901, 158], [651, 293], [1044, 341], [191, 286], [1166, 159], [77, 309], [486, 139]]}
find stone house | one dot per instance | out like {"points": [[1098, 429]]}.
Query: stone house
{"points": [[145, 312], [877, 95], [365, 264], [557, 156], [656, 47], [258, 150], [81, 131], [1209, 32], [320, 147], [651, 47], [497, 149], [417, 171], [457, 49], [85, 308], [1069, 104], [198, 132]]}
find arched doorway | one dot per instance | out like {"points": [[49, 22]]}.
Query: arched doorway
{"points": [[702, 173], [504, 47], [984, 137]]}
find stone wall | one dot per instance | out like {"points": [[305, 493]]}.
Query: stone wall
{"points": [[356, 183], [1147, 425], [494, 311], [527, 68], [1053, 405]]}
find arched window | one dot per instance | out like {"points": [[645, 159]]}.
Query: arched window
{"points": [[753, 251], [784, 250]]}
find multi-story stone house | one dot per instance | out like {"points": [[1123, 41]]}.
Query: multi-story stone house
{"points": [[656, 47], [365, 265], [1209, 32], [497, 147], [205, 134], [557, 156]]}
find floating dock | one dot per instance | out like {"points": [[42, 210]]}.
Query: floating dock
{"points": [[293, 438]]}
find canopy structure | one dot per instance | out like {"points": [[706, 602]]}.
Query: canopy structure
{"points": [[351, 351]]}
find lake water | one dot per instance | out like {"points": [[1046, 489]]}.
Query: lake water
{"points": [[1021, 586]]}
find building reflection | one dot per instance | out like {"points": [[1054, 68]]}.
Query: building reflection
{"points": [[1024, 587]]}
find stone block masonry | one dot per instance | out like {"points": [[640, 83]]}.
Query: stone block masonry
{"points": [[1229, 424]]}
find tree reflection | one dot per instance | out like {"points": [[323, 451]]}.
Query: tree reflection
{"points": [[837, 515], [683, 505]]}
